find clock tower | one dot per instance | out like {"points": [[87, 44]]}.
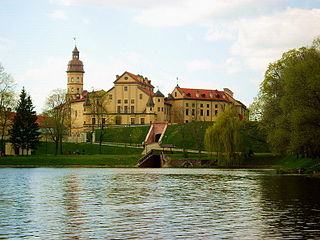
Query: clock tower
{"points": [[75, 76]]}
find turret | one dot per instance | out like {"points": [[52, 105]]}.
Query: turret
{"points": [[75, 76]]}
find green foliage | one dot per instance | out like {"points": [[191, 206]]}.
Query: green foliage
{"points": [[225, 138], [57, 121], [186, 135], [128, 134], [7, 101], [289, 99], [84, 148], [25, 131], [254, 137]]}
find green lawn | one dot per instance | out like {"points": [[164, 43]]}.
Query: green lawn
{"points": [[128, 134], [44, 160], [186, 135], [85, 148]]}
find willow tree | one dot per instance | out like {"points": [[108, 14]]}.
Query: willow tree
{"points": [[224, 137]]}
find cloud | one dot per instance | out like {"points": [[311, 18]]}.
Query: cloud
{"points": [[85, 21], [40, 80], [264, 39], [200, 65], [4, 44], [58, 14], [233, 66]]}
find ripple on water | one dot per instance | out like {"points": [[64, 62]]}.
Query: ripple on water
{"points": [[157, 204]]}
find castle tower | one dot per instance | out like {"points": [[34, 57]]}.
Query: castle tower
{"points": [[75, 76]]}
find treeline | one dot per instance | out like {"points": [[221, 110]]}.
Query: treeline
{"points": [[288, 104], [18, 120]]}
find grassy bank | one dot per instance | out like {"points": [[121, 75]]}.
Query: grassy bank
{"points": [[84, 148], [72, 160], [186, 135], [128, 134]]}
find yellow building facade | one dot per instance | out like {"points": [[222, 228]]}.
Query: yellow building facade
{"points": [[133, 101]]}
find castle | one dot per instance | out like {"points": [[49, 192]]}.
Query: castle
{"points": [[132, 101]]}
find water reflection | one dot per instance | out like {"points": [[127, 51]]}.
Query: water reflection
{"points": [[157, 204]]}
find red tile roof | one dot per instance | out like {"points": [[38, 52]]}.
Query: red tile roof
{"points": [[203, 94], [40, 118], [148, 92], [138, 78]]}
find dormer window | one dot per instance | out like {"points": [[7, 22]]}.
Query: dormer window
{"points": [[203, 95], [125, 78], [188, 94]]}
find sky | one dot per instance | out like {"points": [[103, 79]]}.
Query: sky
{"points": [[207, 44]]}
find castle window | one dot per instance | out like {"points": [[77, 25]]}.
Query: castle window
{"points": [[72, 79], [216, 112], [119, 109], [162, 109], [193, 104], [78, 90], [132, 120], [216, 106], [132, 101], [201, 112], [158, 100], [119, 101], [72, 89], [125, 88], [188, 94], [158, 109], [151, 109], [175, 94], [187, 112], [142, 120], [208, 112], [208, 105], [132, 109], [201, 105], [187, 105], [140, 96], [125, 109], [193, 111], [110, 96], [93, 121], [126, 101]]}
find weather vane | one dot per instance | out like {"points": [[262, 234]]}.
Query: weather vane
{"points": [[75, 41]]}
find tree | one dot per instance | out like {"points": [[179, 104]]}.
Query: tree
{"points": [[224, 137], [289, 99], [25, 133], [95, 105], [57, 122], [6, 103]]}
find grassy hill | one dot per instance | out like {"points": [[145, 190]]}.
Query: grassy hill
{"points": [[186, 135], [128, 134], [85, 148]]}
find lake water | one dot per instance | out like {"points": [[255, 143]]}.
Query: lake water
{"points": [[100, 203]]}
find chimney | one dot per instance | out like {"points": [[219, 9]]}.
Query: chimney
{"points": [[228, 92], [117, 76]]}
